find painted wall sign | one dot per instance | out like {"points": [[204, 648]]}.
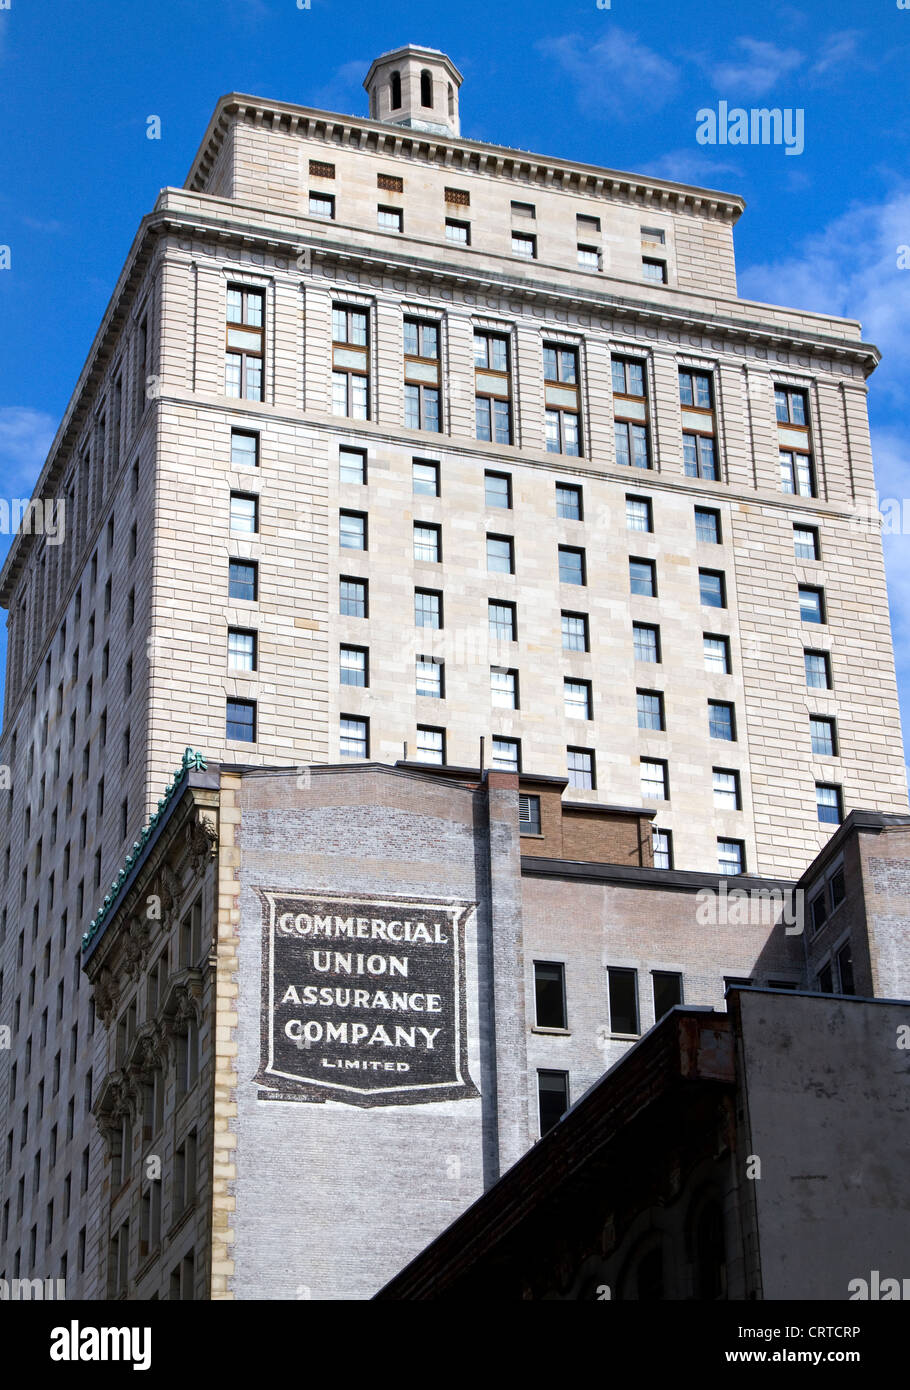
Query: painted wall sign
{"points": [[364, 999]]}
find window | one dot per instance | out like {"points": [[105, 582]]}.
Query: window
{"points": [[643, 577], [550, 994], [427, 542], [696, 400], [818, 670], [506, 754], [811, 604], [838, 889], [500, 554], [796, 473], [529, 815], [421, 375], [646, 640], [322, 205], [588, 257], [568, 502], [458, 232], [243, 580], [824, 737], [630, 413], [425, 478], [653, 270], [726, 789], [571, 565], [575, 632], [524, 210], [241, 650], [707, 526], [241, 720], [352, 597], [354, 737], [650, 705], [244, 449], [580, 768], [826, 979], [395, 91], [492, 388], [244, 513], [502, 620], [638, 513], [797, 468], [711, 589], [352, 466], [350, 363], [667, 987], [622, 990], [662, 848], [426, 88], [721, 722], [844, 960], [791, 407], [805, 543], [503, 687], [353, 666], [731, 856], [389, 219], [828, 803], [525, 245], [431, 744], [430, 677], [654, 785], [497, 489], [552, 1098], [244, 342], [561, 399], [427, 608], [352, 530], [717, 654], [577, 699]]}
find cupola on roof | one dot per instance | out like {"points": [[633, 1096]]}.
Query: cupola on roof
{"points": [[415, 87]]}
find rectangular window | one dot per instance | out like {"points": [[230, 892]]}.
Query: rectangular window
{"points": [[500, 554], [726, 789], [796, 473], [643, 577], [562, 400], [552, 1098], [721, 721], [577, 699], [352, 530], [622, 988], [575, 632], [824, 737], [350, 362], [352, 597], [389, 219], [529, 815], [430, 677], [241, 650], [653, 270], [569, 502], [630, 413], [805, 543], [241, 720], [712, 589], [791, 407], [638, 513], [497, 490], [427, 542], [352, 466], [244, 513], [811, 605], [425, 478], [550, 994], [492, 388], [524, 245], [707, 526], [243, 580], [797, 467], [506, 754], [646, 640], [354, 737], [421, 375], [696, 399], [244, 449], [245, 342], [524, 211], [650, 705], [580, 768], [667, 986], [588, 257], [353, 666], [845, 969], [818, 670], [829, 803], [431, 744], [654, 780], [717, 654], [502, 620], [662, 848], [458, 232], [503, 687], [322, 205], [731, 856], [571, 565], [427, 608]]}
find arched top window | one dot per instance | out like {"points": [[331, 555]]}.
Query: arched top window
{"points": [[395, 91], [451, 101], [426, 88]]}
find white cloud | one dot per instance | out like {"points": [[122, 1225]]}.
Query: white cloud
{"points": [[690, 166], [761, 67], [25, 437], [617, 74], [837, 50], [344, 88]]}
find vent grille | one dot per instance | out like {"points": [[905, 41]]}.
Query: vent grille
{"points": [[318, 170], [390, 182], [459, 196]]}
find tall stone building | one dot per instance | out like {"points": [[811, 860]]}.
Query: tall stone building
{"points": [[393, 447]]}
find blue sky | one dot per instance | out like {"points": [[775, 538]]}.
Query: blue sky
{"points": [[619, 87]]}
